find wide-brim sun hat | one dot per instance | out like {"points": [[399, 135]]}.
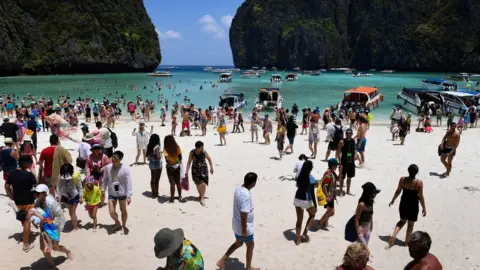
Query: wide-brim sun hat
{"points": [[8, 140], [167, 241], [370, 187]]}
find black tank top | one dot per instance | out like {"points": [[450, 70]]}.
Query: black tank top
{"points": [[348, 151]]}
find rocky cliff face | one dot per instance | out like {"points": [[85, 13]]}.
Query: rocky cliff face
{"points": [[433, 35], [71, 36]]}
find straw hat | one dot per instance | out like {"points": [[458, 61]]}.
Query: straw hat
{"points": [[88, 137], [8, 140]]}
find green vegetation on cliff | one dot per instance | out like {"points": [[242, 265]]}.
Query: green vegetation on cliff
{"points": [[434, 35], [69, 36]]}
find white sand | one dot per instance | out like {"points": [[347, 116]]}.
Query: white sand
{"points": [[452, 218]]}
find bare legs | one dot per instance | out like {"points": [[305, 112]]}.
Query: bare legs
{"points": [[223, 141], [233, 248], [447, 162], [93, 215], [47, 246], [144, 152], [398, 228], [112, 205], [72, 211], [323, 222], [298, 226], [174, 179], [255, 132], [313, 148], [154, 181], [202, 188]]}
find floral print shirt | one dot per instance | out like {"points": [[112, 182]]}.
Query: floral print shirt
{"points": [[190, 259]]}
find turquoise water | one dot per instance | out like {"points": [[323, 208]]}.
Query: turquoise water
{"points": [[322, 91]]}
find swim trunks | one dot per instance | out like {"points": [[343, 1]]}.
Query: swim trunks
{"points": [[361, 146]]}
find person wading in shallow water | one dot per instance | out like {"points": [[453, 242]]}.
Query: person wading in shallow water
{"points": [[448, 148], [412, 194]]}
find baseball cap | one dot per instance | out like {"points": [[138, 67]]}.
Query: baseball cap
{"points": [[332, 162], [42, 188]]}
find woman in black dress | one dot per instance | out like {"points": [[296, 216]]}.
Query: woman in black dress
{"points": [[412, 194], [198, 159]]}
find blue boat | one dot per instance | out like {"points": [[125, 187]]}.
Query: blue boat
{"points": [[439, 84]]}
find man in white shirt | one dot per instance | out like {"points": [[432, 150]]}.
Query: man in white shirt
{"points": [[117, 179], [105, 137], [242, 221]]}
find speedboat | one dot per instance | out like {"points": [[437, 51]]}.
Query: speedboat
{"points": [[276, 78], [233, 100], [207, 69], [388, 71], [255, 68], [438, 84], [311, 72], [291, 77], [165, 73], [457, 101], [225, 77], [367, 97], [361, 74], [461, 77], [220, 70], [474, 77], [250, 74], [413, 98], [262, 71], [268, 99]]}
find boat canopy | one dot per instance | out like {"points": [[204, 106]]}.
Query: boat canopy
{"points": [[459, 94], [269, 89], [418, 90], [436, 81], [362, 89]]}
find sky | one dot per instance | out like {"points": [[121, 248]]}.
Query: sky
{"points": [[193, 32]]}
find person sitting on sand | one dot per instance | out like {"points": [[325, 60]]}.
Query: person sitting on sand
{"points": [[305, 200], [198, 159], [53, 222], [448, 148], [242, 221], [356, 258], [419, 247], [412, 194], [181, 254]]}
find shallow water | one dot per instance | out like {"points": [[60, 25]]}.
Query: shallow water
{"points": [[322, 91]]}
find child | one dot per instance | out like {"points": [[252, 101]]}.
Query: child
{"points": [[70, 190], [91, 195], [466, 121], [428, 125]]}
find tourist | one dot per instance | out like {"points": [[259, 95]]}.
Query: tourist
{"points": [[346, 154], [18, 186], [254, 125], [472, 111], [84, 151], [242, 221], [313, 138], [298, 166], [32, 125], [450, 118], [9, 130], [236, 121], [305, 200], [142, 137], [361, 139], [61, 156], [439, 113], [448, 148], [291, 133], [96, 163], [412, 194], [88, 113], [173, 159], [356, 257], [181, 254], [70, 191], [419, 249], [198, 159], [335, 135], [96, 111], [154, 154], [280, 138], [326, 193], [9, 157], [403, 129], [118, 182], [105, 135], [203, 122], [364, 213], [91, 196], [186, 122], [52, 210], [304, 121], [428, 125], [45, 162], [267, 129], [163, 115], [222, 129], [460, 124], [174, 122]]}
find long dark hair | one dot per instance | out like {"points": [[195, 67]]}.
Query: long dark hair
{"points": [[66, 169], [304, 175], [154, 141], [367, 198], [170, 145]]}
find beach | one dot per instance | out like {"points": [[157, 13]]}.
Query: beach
{"points": [[451, 206]]}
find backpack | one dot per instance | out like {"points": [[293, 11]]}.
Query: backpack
{"points": [[114, 138], [338, 134]]}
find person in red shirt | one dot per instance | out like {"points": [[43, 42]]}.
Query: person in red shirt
{"points": [[46, 162]]}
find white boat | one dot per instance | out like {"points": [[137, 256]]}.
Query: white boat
{"points": [[220, 70], [207, 69], [233, 100], [160, 74], [347, 71], [311, 72], [362, 74], [276, 78], [461, 77], [234, 69], [367, 97], [250, 74], [412, 99], [291, 77], [268, 99], [388, 71], [225, 77], [456, 101], [438, 84], [261, 71], [254, 68]]}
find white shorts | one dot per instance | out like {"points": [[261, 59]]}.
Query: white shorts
{"points": [[303, 203]]}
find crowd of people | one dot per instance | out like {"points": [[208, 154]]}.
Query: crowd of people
{"points": [[103, 180]]}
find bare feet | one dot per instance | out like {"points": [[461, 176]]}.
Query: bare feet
{"points": [[298, 241], [70, 256], [391, 241], [305, 238], [125, 231], [116, 227], [172, 200], [221, 264], [28, 247], [202, 202]]}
